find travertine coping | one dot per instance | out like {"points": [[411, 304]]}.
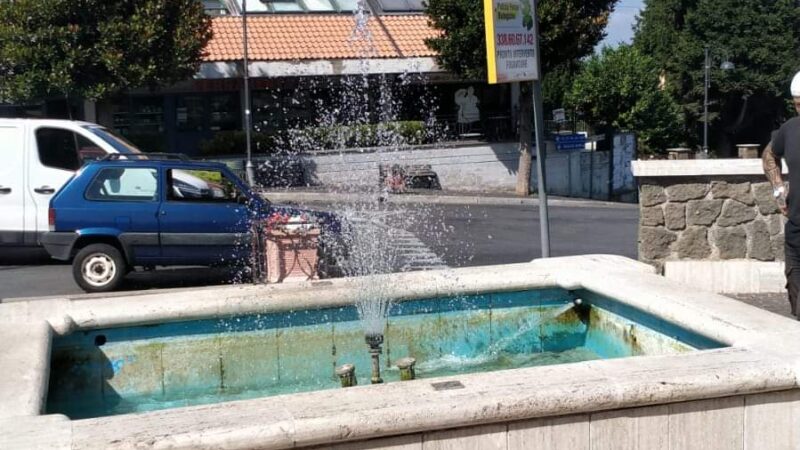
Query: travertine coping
{"points": [[698, 168], [762, 357]]}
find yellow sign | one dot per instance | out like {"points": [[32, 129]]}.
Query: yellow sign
{"points": [[511, 40]]}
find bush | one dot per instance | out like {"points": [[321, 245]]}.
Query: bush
{"points": [[234, 143]]}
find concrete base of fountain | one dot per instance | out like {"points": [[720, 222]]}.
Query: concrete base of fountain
{"points": [[745, 395]]}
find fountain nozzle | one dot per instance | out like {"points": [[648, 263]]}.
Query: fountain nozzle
{"points": [[374, 341], [347, 375]]}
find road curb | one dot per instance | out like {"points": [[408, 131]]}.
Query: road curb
{"points": [[410, 199]]}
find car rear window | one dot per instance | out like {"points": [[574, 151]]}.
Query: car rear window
{"points": [[124, 184]]}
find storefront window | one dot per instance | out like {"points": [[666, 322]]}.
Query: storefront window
{"points": [[147, 115], [224, 112], [189, 113]]}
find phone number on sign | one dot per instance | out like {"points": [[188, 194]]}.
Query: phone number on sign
{"points": [[515, 39]]}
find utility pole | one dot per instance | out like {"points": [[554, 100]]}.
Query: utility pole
{"points": [[705, 101], [247, 117], [538, 120]]}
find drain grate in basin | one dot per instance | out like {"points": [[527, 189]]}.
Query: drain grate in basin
{"points": [[447, 385]]}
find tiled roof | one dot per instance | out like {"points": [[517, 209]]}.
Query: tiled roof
{"points": [[316, 36]]}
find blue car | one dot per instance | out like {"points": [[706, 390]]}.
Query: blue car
{"points": [[159, 210]]}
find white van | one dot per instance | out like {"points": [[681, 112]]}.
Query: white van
{"points": [[37, 157]]}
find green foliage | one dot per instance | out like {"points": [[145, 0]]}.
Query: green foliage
{"points": [[619, 88], [569, 30], [556, 85], [320, 138], [761, 38], [94, 48], [657, 120], [235, 143]]}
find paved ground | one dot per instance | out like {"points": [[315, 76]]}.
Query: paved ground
{"points": [[424, 236], [776, 303]]}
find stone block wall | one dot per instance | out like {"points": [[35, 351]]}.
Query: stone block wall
{"points": [[708, 219]]}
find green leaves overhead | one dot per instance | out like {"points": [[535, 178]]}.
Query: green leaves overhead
{"points": [[569, 29], [94, 48], [760, 37], [619, 89]]}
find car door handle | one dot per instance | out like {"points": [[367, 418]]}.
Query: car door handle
{"points": [[5, 190], [44, 190]]}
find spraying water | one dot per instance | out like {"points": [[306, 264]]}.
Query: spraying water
{"points": [[498, 350], [364, 111]]}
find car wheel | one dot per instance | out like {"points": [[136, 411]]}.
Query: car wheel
{"points": [[99, 268]]}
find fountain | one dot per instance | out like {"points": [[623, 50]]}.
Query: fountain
{"points": [[222, 367], [491, 354]]}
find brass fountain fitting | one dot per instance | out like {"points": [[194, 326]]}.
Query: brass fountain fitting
{"points": [[347, 375], [374, 341], [406, 366]]}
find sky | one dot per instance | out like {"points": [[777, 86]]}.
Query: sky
{"points": [[620, 25]]}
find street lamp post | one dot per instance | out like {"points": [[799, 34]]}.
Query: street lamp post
{"points": [[726, 65], [247, 117], [705, 101]]}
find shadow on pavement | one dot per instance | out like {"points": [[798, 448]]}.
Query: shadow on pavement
{"points": [[25, 256], [181, 277]]}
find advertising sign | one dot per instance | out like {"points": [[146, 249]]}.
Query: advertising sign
{"points": [[511, 40]]}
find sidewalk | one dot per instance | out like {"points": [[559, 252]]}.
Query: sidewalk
{"points": [[427, 196], [776, 303]]}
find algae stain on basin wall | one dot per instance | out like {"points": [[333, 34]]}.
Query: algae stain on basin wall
{"points": [[123, 370]]}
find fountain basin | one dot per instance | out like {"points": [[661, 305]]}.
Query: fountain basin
{"points": [[113, 371], [740, 386]]}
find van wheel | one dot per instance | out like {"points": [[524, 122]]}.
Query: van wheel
{"points": [[98, 268]]}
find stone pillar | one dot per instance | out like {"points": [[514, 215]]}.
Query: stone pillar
{"points": [[707, 217], [748, 151], [679, 153]]}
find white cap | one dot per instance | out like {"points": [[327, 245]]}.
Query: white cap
{"points": [[796, 85]]}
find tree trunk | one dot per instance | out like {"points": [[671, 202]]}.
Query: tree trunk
{"points": [[525, 138]]}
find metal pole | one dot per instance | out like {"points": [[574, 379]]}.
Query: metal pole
{"points": [[705, 102], [538, 120], [247, 119]]}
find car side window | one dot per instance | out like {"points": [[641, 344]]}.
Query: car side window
{"points": [[210, 186], [64, 149], [124, 184]]}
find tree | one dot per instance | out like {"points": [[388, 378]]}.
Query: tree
{"points": [[761, 38], [93, 48], [619, 89], [569, 29]]}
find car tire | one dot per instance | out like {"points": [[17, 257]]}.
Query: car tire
{"points": [[99, 268]]}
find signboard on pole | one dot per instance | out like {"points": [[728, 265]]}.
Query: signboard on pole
{"points": [[511, 36]]}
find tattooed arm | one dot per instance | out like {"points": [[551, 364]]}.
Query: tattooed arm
{"points": [[772, 167]]}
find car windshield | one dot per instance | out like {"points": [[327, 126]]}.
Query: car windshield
{"points": [[119, 144]]}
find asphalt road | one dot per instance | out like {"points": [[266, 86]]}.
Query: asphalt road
{"points": [[456, 235]]}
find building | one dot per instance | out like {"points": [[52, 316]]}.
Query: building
{"points": [[310, 66]]}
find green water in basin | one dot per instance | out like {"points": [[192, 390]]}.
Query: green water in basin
{"points": [[147, 368]]}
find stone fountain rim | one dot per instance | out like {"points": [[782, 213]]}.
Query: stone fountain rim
{"points": [[761, 358]]}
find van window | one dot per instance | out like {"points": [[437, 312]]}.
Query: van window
{"points": [[64, 149], [124, 184]]}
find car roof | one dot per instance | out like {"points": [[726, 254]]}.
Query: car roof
{"points": [[158, 162]]}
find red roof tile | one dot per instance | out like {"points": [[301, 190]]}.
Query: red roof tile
{"points": [[309, 36]]}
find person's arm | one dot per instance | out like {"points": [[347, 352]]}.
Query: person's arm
{"points": [[772, 169]]}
